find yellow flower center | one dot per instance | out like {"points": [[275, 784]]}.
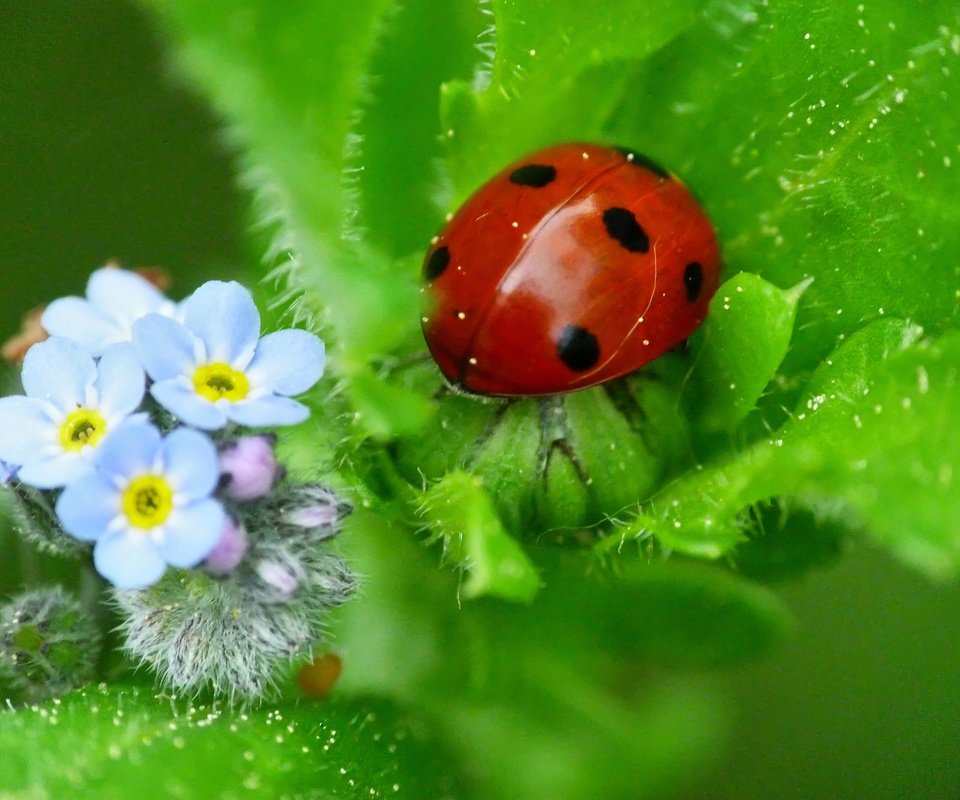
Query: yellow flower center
{"points": [[147, 501], [82, 427], [220, 381]]}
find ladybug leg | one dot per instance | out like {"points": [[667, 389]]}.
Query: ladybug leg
{"points": [[554, 437], [490, 429], [628, 405]]}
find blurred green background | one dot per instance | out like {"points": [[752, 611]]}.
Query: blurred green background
{"points": [[103, 155]]}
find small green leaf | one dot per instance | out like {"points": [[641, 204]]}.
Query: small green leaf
{"points": [[460, 511], [684, 519], [738, 348], [123, 743]]}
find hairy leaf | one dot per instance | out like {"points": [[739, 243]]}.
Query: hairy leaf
{"points": [[820, 140], [555, 69], [122, 743], [737, 350]]}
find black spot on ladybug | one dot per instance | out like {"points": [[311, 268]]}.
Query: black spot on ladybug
{"points": [[437, 262], [623, 226], [534, 175], [643, 161], [578, 348], [693, 280]]}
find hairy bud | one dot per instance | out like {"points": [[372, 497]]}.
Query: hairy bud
{"points": [[34, 520], [233, 633], [48, 644]]}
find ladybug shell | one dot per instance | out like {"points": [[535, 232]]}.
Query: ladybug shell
{"points": [[575, 265]]}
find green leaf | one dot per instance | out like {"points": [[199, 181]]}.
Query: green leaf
{"points": [[823, 143], [873, 438], [737, 350], [537, 699], [461, 513], [556, 69], [289, 83], [566, 739], [399, 152], [123, 743], [882, 438]]}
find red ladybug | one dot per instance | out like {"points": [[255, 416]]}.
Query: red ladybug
{"points": [[575, 265]]}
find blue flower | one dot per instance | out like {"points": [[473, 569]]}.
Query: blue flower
{"points": [[147, 504], [71, 404], [214, 367], [7, 473], [116, 298]]}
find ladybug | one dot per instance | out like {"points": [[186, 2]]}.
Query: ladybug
{"points": [[574, 266]]}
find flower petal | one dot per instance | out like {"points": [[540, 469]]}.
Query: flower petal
{"points": [[191, 463], [289, 361], [226, 319], [53, 471], [120, 380], [192, 532], [124, 296], [88, 506], [129, 450], [128, 559], [59, 371], [267, 411], [166, 348], [26, 429], [7, 473], [74, 318], [179, 398]]}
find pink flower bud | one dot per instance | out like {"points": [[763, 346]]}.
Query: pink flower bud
{"points": [[316, 507], [278, 577], [230, 550], [249, 467]]}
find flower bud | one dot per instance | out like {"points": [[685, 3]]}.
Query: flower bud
{"points": [[315, 507], [230, 549], [249, 467], [606, 447], [278, 577], [48, 643]]}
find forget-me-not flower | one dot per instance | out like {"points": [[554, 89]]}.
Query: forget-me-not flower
{"points": [[213, 366], [71, 404], [116, 298], [147, 504]]}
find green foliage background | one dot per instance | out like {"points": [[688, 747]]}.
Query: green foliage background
{"points": [[822, 139]]}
